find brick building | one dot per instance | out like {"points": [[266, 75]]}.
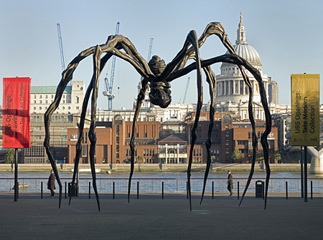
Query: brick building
{"points": [[170, 142], [113, 142]]}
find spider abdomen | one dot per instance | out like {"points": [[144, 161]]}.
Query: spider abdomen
{"points": [[160, 93]]}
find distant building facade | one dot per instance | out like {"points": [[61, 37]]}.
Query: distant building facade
{"points": [[71, 102]]}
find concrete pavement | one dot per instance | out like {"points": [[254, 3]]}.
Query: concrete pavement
{"points": [[151, 217]]}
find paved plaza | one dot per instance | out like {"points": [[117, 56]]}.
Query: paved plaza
{"points": [[151, 217]]}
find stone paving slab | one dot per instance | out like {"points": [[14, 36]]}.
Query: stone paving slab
{"points": [[151, 217]]}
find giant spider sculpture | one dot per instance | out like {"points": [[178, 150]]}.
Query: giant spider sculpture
{"points": [[159, 75]]}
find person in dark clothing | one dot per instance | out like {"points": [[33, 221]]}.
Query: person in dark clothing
{"points": [[230, 183], [51, 183]]}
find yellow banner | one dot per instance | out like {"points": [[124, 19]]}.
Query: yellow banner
{"points": [[305, 109]]}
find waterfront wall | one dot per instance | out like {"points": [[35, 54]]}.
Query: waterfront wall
{"points": [[152, 167]]}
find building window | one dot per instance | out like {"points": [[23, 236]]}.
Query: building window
{"points": [[84, 150]]}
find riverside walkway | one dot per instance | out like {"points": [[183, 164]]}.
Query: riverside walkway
{"points": [[151, 217]]}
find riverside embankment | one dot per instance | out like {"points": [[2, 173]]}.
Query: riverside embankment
{"points": [[104, 168]]}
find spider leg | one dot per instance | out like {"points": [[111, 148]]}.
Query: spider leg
{"points": [[215, 28], [235, 59], [265, 134], [111, 47], [140, 98], [92, 135], [53, 164], [80, 135], [82, 120], [212, 87], [193, 40], [254, 143], [67, 76]]}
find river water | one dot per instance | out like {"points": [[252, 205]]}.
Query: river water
{"points": [[152, 182]]}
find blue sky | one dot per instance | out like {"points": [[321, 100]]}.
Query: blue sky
{"points": [[287, 35]]}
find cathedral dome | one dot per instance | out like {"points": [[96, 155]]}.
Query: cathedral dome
{"points": [[243, 49], [248, 53]]}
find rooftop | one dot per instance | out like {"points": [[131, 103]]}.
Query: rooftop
{"points": [[48, 89]]}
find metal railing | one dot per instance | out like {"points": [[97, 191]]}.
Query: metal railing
{"points": [[163, 185]]}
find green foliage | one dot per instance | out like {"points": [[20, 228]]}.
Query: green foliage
{"points": [[260, 157], [10, 155], [236, 155], [278, 156]]}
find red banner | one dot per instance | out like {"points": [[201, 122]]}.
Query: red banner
{"points": [[16, 116]]}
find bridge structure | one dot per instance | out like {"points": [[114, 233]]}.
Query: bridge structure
{"points": [[316, 154]]}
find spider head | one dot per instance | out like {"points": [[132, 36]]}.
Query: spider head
{"points": [[159, 89]]}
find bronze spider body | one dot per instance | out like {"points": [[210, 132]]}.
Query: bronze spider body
{"points": [[159, 75]]}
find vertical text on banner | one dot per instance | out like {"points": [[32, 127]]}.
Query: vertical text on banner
{"points": [[16, 113], [305, 109]]}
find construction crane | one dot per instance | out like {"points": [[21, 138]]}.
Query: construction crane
{"points": [[109, 84], [185, 92], [150, 49], [60, 43], [146, 102]]}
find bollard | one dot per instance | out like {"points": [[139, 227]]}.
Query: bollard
{"points": [[89, 190], [162, 190], [65, 190], [41, 190], [137, 190], [186, 190], [212, 190], [17, 189], [311, 189], [286, 190], [113, 190], [238, 193]]}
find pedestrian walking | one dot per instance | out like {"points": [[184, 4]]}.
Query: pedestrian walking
{"points": [[230, 183], [51, 183]]}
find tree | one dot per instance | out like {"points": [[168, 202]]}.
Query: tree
{"points": [[278, 156], [236, 155], [10, 155]]}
